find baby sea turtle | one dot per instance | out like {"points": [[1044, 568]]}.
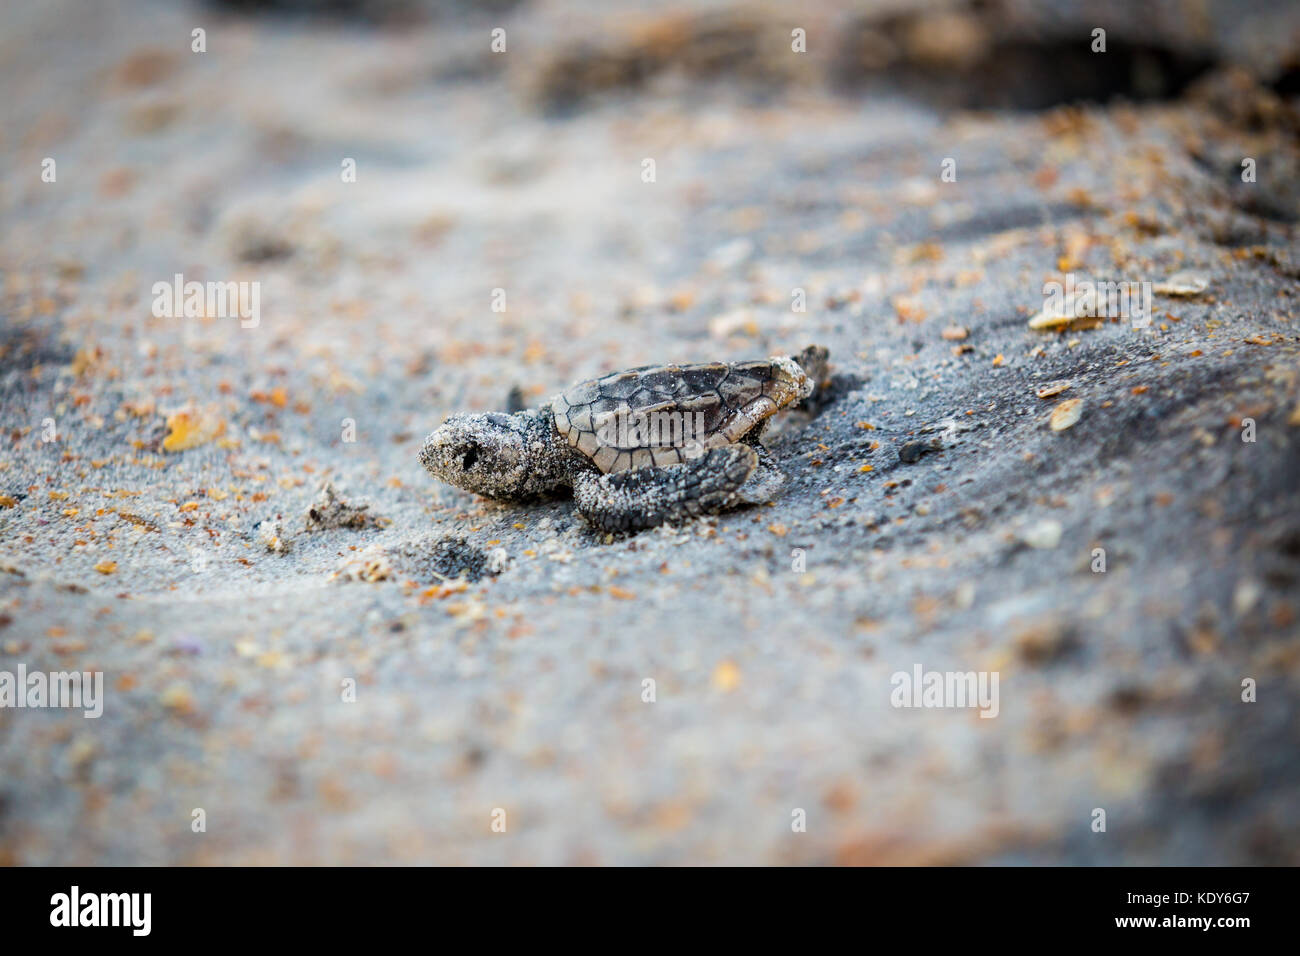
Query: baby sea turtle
{"points": [[638, 448]]}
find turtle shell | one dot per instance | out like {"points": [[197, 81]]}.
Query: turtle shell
{"points": [[668, 414]]}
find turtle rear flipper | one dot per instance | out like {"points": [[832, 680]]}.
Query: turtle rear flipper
{"points": [[767, 480], [648, 497]]}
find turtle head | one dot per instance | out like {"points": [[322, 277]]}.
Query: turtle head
{"points": [[493, 454]]}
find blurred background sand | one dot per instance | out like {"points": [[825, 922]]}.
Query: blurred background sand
{"points": [[139, 543]]}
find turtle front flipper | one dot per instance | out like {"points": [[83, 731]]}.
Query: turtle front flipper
{"points": [[648, 497], [814, 362]]}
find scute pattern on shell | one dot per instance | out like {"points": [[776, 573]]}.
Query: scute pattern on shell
{"points": [[726, 399]]}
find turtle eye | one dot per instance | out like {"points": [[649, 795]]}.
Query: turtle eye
{"points": [[471, 455]]}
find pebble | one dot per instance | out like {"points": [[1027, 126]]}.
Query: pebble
{"points": [[1185, 283], [731, 254], [1045, 535], [273, 537], [178, 697], [912, 451], [1245, 596]]}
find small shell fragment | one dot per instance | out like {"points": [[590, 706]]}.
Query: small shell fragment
{"points": [[1050, 319], [1066, 414], [189, 428], [1055, 388], [1073, 310], [1183, 283]]}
